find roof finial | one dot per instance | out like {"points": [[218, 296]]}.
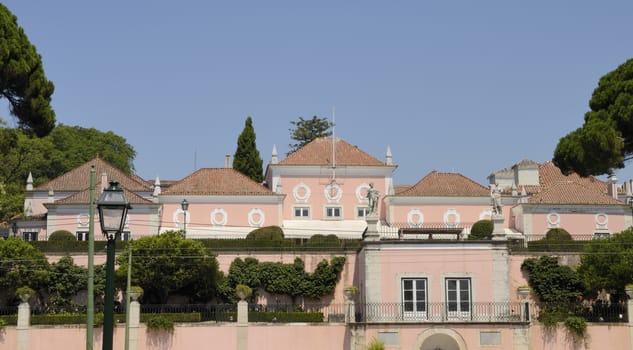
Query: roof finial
{"points": [[388, 160]]}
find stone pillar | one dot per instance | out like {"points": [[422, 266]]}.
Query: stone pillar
{"points": [[350, 307], [134, 323], [498, 232], [372, 228], [242, 325], [629, 307], [24, 321]]}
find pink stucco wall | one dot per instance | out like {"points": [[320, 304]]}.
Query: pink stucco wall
{"points": [[317, 200], [577, 223], [434, 214], [199, 215], [318, 336], [139, 225], [436, 264]]}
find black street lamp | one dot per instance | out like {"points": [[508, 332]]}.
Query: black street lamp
{"points": [[184, 206], [113, 209]]}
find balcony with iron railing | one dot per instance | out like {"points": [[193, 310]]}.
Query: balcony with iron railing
{"points": [[478, 312]]}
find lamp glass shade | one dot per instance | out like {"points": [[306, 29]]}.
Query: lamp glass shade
{"points": [[184, 205], [112, 208]]}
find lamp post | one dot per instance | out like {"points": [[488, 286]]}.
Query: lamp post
{"points": [[113, 209], [184, 206]]}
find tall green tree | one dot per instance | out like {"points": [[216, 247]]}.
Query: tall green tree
{"points": [[605, 140], [21, 265], [306, 130], [246, 159], [608, 263], [65, 148], [22, 79], [167, 265]]}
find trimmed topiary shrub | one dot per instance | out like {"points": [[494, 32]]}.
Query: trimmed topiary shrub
{"points": [[324, 241], [482, 229], [269, 233], [62, 235], [558, 234]]}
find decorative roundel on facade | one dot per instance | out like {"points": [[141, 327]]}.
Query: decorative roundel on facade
{"points": [[602, 220], [256, 217], [415, 218], [219, 217], [486, 214], [553, 219], [178, 216], [333, 192], [451, 218], [301, 192], [82, 220], [361, 192]]}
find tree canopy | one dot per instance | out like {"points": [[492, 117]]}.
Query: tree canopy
{"points": [[21, 265], [168, 264], [608, 263], [605, 140], [246, 159], [22, 79], [304, 131], [65, 148]]}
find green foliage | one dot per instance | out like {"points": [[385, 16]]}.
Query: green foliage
{"points": [[323, 241], [605, 140], [286, 279], [25, 290], [246, 159], [243, 291], [376, 345], [62, 235], [304, 131], [169, 264], [174, 317], [482, 229], [22, 79], [22, 265], [69, 280], [160, 323], [272, 233], [608, 263], [557, 234], [3, 324], [46, 158], [576, 326], [552, 282]]}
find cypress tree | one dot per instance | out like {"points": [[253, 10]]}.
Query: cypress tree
{"points": [[246, 159]]}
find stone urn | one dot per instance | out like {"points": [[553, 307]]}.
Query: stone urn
{"points": [[629, 290], [350, 292], [524, 292]]}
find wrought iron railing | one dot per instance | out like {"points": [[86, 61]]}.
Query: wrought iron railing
{"points": [[591, 311], [208, 312], [442, 312]]}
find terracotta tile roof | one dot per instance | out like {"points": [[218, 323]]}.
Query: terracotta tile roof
{"points": [[549, 174], [78, 179], [446, 185], [571, 192], [218, 181], [400, 188], [83, 197], [319, 152]]}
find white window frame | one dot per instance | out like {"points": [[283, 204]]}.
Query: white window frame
{"points": [[364, 210], [302, 209], [29, 236], [82, 235], [333, 208], [411, 295], [458, 298]]}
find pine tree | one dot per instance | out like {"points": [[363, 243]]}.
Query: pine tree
{"points": [[246, 159]]}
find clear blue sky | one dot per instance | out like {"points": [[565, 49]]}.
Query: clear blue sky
{"points": [[465, 86]]}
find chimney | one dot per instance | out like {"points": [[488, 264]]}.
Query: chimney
{"points": [[104, 181], [275, 158], [228, 161], [612, 186]]}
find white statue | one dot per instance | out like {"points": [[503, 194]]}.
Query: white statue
{"points": [[496, 199], [372, 196]]}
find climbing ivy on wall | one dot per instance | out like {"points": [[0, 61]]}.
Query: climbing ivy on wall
{"points": [[287, 279]]}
